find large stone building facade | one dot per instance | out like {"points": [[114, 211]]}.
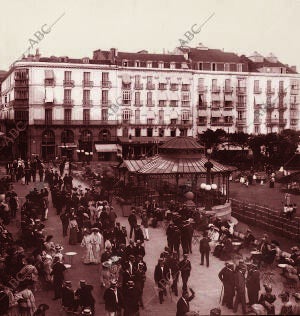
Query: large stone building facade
{"points": [[125, 104]]}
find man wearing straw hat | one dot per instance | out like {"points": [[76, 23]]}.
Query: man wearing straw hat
{"points": [[113, 299]]}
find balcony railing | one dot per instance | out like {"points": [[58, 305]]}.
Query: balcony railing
{"points": [[87, 84], [228, 107], [202, 106], [19, 102], [173, 103], [270, 91], [202, 89], [241, 106], [162, 86], [257, 90], [241, 90], [22, 83], [294, 90], [68, 102], [185, 122], [185, 103], [216, 123], [228, 89], [272, 121], [105, 84], [138, 86], [87, 102], [215, 89], [282, 122], [138, 103], [105, 103], [294, 122], [185, 87], [49, 82], [69, 83], [77, 122], [228, 123], [150, 86], [241, 121]]}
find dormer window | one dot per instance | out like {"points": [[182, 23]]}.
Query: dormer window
{"points": [[172, 65], [160, 64], [226, 67], [239, 67], [200, 66], [137, 63], [149, 64], [85, 60], [125, 63], [213, 67]]}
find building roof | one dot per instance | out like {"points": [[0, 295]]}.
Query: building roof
{"points": [[255, 66], [181, 143], [213, 55], [151, 57]]}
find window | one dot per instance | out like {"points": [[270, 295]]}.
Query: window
{"points": [[104, 114], [149, 79], [226, 67], [185, 87], [172, 65], [227, 85], [161, 132], [21, 116], [162, 86], [256, 129], [137, 63], [281, 86], [67, 94], [68, 76], [256, 85], [162, 103], [213, 67], [126, 115], [173, 121], [185, 96], [240, 115], [150, 121], [174, 86], [126, 96], [137, 116], [125, 63], [160, 64], [173, 103], [86, 115], [173, 133], [150, 132], [86, 95], [137, 98], [86, 76], [161, 116], [104, 97], [149, 64], [68, 116], [200, 66], [137, 132], [185, 115], [137, 79], [48, 116], [149, 98], [214, 84], [239, 67]]}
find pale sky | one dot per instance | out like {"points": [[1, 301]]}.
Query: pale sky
{"points": [[238, 26]]}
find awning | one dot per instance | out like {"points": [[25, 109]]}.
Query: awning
{"points": [[173, 115], [173, 96], [216, 114], [68, 145], [258, 99], [215, 97], [49, 74], [126, 79], [228, 97], [163, 96], [49, 95], [106, 148], [150, 115]]}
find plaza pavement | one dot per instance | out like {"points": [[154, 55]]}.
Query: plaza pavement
{"points": [[203, 280]]}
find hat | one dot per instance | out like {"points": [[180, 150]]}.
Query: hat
{"points": [[297, 296], [68, 283], [82, 282], [95, 229], [107, 264], [131, 256], [185, 255], [268, 287], [86, 215], [249, 230], [295, 248], [130, 283], [284, 294], [58, 247], [210, 225], [86, 311]]}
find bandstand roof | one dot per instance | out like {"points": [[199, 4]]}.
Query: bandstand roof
{"points": [[181, 143]]}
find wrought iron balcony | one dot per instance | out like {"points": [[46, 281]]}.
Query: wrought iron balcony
{"points": [[87, 102], [87, 84], [257, 90], [69, 83], [105, 84], [228, 89], [241, 106], [162, 86], [69, 102], [241, 121], [241, 90], [215, 89], [138, 86]]}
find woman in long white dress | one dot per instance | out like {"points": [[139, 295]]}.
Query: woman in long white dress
{"points": [[86, 242], [96, 241]]}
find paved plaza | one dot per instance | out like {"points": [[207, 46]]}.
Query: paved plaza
{"points": [[203, 280]]}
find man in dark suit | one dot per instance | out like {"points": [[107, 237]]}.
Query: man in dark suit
{"points": [[183, 304], [58, 277], [67, 297], [226, 276], [131, 299], [113, 298], [85, 296], [132, 220], [204, 249], [253, 284], [185, 268], [161, 277]]}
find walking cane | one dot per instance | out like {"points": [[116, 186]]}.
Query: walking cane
{"points": [[221, 294]]}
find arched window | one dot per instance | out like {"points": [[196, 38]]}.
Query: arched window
{"points": [[67, 136], [48, 137], [104, 135], [86, 136]]}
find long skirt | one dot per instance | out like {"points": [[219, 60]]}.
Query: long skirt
{"points": [[73, 239]]}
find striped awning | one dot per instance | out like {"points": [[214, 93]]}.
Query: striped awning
{"points": [[165, 165]]}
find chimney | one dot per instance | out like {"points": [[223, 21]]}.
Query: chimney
{"points": [[113, 54], [97, 54], [294, 68]]}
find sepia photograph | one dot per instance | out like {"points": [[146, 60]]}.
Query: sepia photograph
{"points": [[149, 157]]}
